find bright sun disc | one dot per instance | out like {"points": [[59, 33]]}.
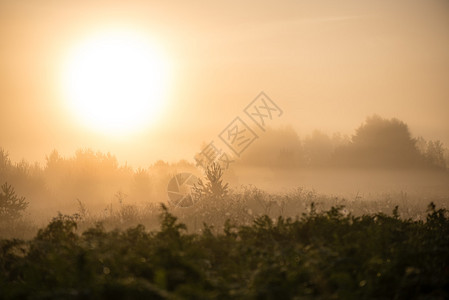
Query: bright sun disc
{"points": [[116, 81]]}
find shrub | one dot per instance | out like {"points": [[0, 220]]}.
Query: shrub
{"points": [[213, 188], [11, 206]]}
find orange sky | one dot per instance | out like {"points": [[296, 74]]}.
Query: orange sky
{"points": [[328, 65]]}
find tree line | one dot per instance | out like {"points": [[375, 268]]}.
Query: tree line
{"points": [[377, 143]]}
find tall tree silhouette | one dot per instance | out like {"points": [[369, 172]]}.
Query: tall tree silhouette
{"points": [[381, 143], [11, 206]]}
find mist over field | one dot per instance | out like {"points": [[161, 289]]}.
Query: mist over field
{"points": [[380, 163], [285, 209], [224, 150]]}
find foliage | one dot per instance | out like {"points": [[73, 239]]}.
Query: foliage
{"points": [[213, 188], [380, 143], [94, 177], [279, 147], [11, 206], [434, 153], [320, 255], [377, 143]]}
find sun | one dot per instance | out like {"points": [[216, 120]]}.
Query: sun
{"points": [[116, 81]]}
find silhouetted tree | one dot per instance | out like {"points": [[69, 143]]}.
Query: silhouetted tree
{"points": [[213, 187], [11, 206], [5, 162], [141, 184], [435, 154], [275, 148], [380, 143], [318, 148]]}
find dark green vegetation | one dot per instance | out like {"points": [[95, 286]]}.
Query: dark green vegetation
{"points": [[321, 255]]}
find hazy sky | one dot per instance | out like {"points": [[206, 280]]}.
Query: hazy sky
{"points": [[327, 64]]}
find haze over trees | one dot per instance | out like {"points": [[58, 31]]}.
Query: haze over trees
{"points": [[377, 143], [11, 206], [93, 181], [245, 242]]}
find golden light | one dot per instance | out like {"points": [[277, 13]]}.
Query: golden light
{"points": [[116, 81]]}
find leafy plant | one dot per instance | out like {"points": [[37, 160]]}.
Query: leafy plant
{"points": [[320, 255], [213, 187], [11, 206]]}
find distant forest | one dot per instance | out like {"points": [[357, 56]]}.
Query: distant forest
{"points": [[98, 179], [377, 143]]}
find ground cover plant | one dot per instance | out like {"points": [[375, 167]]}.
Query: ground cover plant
{"points": [[319, 255]]}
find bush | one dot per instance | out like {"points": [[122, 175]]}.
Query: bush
{"points": [[213, 188], [320, 255], [11, 206]]}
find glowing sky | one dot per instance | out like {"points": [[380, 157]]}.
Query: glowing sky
{"points": [[328, 64]]}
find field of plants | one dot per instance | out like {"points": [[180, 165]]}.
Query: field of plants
{"points": [[240, 245], [114, 240], [319, 255]]}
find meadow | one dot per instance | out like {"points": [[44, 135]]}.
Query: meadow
{"points": [[239, 244], [326, 254]]}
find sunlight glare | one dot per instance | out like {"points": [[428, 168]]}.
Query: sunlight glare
{"points": [[116, 82]]}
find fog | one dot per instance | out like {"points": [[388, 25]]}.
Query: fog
{"points": [[327, 66], [224, 149], [379, 166]]}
